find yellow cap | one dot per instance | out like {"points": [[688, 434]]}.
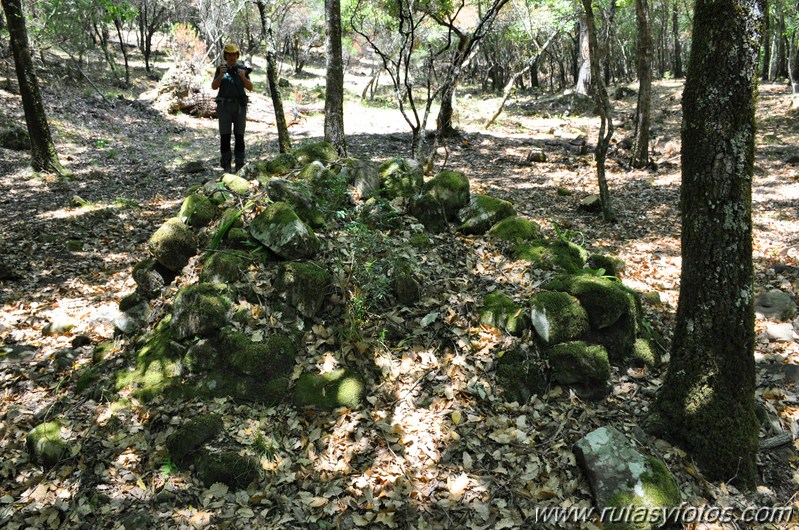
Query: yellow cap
{"points": [[231, 48]]}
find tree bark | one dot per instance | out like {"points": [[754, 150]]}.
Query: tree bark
{"points": [[766, 44], [706, 402], [43, 153], [640, 148], [675, 30], [600, 95], [583, 82], [334, 95], [283, 138]]}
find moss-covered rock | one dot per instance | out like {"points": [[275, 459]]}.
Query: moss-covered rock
{"points": [[501, 312], [400, 178], [450, 191], [405, 285], [581, 365], [420, 241], [202, 356], [559, 254], [281, 164], [482, 213], [238, 238], [14, 136], [654, 491], [224, 267], [313, 151], [280, 230], [300, 197], [197, 210], [200, 309], [173, 244], [227, 467], [339, 388], [379, 214], [515, 229], [221, 383], [150, 277], [192, 435], [364, 178], [157, 364], [611, 265], [558, 317], [304, 286], [604, 300], [618, 339], [46, 446], [271, 357], [236, 184], [520, 375], [429, 211], [130, 301], [644, 354]]}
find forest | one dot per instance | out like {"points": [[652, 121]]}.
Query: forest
{"points": [[478, 264]]}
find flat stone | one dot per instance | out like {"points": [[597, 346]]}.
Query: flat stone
{"points": [[781, 332], [776, 305]]}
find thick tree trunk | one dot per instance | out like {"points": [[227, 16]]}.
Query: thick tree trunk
{"points": [[583, 83], [706, 402], [600, 95], [283, 138], [445, 127], [766, 44], [675, 30], [334, 95], [43, 152], [640, 149]]}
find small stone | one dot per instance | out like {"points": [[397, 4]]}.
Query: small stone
{"points": [[592, 203], [80, 341], [536, 155], [775, 304], [59, 325], [781, 332]]}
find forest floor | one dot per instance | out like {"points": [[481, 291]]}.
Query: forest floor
{"points": [[488, 466]]}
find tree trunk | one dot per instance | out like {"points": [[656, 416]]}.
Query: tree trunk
{"points": [[640, 148], [445, 127], [766, 44], [283, 138], [43, 152], [706, 402], [675, 30], [777, 67], [118, 25], [334, 95], [600, 95], [583, 84], [793, 62]]}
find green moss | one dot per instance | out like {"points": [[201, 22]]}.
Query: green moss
{"points": [[520, 375], [430, 212], [515, 229], [644, 504], [399, 178], [420, 241], [339, 388], [578, 362], [87, 379], [45, 444], [501, 312], [483, 212], [280, 229], [558, 317], [192, 435], [157, 365], [644, 354], [310, 152], [197, 210], [237, 238], [102, 351], [200, 309], [130, 301], [618, 339], [405, 285], [229, 468], [236, 184], [281, 164], [231, 217], [569, 256], [612, 265], [173, 244], [605, 301], [450, 189], [305, 286], [223, 267], [222, 383], [272, 357]]}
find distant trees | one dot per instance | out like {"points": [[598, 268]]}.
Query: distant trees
{"points": [[706, 402], [43, 152]]}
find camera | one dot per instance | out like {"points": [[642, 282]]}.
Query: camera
{"points": [[234, 70]]}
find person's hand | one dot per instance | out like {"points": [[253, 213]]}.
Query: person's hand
{"points": [[242, 73]]}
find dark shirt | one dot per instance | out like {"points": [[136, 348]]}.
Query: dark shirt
{"points": [[231, 87]]}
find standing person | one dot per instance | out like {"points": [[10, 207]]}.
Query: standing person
{"points": [[231, 104]]}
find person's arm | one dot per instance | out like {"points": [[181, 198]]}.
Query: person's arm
{"points": [[220, 73], [245, 79]]}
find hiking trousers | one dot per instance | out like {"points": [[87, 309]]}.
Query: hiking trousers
{"points": [[232, 116]]}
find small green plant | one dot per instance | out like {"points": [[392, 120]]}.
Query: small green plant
{"points": [[168, 467], [568, 235], [101, 144], [121, 202], [265, 447]]}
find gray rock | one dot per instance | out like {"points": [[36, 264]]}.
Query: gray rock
{"points": [[364, 178], [59, 325], [558, 317], [775, 304], [132, 320], [193, 166], [14, 136], [400, 178], [582, 366], [621, 477], [236, 184], [200, 309], [280, 229], [149, 277], [299, 196], [781, 332]]}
